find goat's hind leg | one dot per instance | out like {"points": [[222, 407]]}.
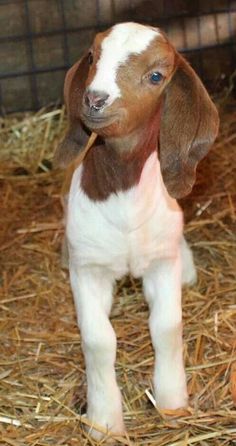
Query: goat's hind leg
{"points": [[64, 243], [189, 273], [64, 253], [92, 289]]}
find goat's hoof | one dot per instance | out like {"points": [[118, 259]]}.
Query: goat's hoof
{"points": [[173, 401], [176, 413], [101, 431]]}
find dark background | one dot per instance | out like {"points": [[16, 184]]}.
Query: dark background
{"points": [[40, 39]]}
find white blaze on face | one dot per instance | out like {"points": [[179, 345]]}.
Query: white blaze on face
{"points": [[123, 40]]}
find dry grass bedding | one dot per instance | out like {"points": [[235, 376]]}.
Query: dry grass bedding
{"points": [[42, 375]]}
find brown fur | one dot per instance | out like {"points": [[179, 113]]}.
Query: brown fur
{"points": [[77, 135], [186, 128], [189, 126], [107, 170]]}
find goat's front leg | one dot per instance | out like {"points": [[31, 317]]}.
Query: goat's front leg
{"points": [[92, 289], [162, 288]]}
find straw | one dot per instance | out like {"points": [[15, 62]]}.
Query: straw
{"points": [[42, 371]]}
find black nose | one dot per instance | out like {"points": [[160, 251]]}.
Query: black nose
{"points": [[95, 99]]}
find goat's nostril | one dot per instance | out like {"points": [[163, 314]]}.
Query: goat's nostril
{"points": [[99, 103], [95, 99]]}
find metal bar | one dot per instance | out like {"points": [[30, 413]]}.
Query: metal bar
{"points": [[232, 38], [7, 2], [33, 80], [164, 8], [200, 58], [65, 67], [64, 33], [182, 14], [97, 13], [207, 47], [1, 101], [11, 75], [32, 35]]}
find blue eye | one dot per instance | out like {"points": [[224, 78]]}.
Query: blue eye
{"points": [[156, 77]]}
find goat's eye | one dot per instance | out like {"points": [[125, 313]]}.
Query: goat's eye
{"points": [[156, 77], [90, 57]]}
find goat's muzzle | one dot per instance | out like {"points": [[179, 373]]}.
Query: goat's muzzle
{"points": [[95, 100], [95, 113]]}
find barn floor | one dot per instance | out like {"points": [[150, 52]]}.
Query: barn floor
{"points": [[42, 378]]}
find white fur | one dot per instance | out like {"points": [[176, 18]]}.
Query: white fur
{"points": [[162, 288], [137, 231], [92, 289], [123, 40], [129, 230]]}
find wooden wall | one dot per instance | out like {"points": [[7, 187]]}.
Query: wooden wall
{"points": [[40, 39]]}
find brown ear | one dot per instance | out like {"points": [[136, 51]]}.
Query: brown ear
{"points": [[189, 126], [76, 136]]}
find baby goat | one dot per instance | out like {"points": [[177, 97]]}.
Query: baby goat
{"points": [[155, 122]]}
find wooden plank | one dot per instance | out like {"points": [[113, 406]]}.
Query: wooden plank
{"points": [[78, 43], [106, 11], [16, 94], [50, 87], [45, 15], [48, 51], [12, 19], [14, 57], [80, 13]]}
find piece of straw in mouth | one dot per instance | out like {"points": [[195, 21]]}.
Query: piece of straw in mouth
{"points": [[78, 160], [75, 163]]}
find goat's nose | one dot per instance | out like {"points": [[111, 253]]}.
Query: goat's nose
{"points": [[95, 99]]}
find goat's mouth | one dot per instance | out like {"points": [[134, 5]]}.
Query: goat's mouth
{"points": [[97, 122]]}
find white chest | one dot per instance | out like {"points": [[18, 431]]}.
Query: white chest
{"points": [[129, 230]]}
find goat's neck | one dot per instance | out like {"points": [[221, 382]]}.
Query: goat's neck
{"points": [[125, 145], [117, 164]]}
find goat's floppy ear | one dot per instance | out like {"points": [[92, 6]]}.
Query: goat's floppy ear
{"points": [[76, 136], [189, 126]]}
